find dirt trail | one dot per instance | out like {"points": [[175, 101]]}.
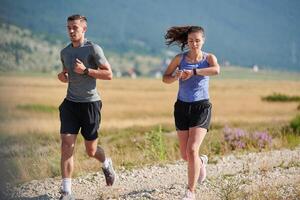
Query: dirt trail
{"points": [[270, 173]]}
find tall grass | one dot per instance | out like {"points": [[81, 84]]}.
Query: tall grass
{"points": [[295, 124], [29, 156], [155, 145], [137, 127]]}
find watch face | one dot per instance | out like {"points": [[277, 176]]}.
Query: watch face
{"points": [[86, 71]]}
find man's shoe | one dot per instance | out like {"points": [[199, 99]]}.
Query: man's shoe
{"points": [[66, 196], [202, 175], [109, 173]]}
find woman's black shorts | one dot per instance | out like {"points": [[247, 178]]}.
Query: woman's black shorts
{"points": [[192, 114], [84, 116]]}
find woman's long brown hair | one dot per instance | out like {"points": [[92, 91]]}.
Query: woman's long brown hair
{"points": [[179, 35]]}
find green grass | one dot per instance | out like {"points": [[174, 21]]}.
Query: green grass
{"points": [[29, 156], [36, 155], [155, 145], [278, 97], [38, 108], [295, 124]]}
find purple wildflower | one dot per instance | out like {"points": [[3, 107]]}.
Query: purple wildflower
{"points": [[239, 138], [262, 139]]}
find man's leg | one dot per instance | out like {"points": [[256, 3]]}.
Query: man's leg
{"points": [[97, 152], [94, 151], [67, 162]]}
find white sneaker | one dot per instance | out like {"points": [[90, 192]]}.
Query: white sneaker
{"points": [[109, 173], [202, 175], [189, 195]]}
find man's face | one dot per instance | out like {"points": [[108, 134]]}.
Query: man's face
{"points": [[76, 30]]}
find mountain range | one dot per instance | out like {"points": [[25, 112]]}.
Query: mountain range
{"points": [[239, 32]]}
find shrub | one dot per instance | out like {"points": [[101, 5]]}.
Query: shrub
{"points": [[155, 145], [280, 97], [295, 124]]}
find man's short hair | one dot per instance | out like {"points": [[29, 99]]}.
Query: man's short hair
{"points": [[76, 17]]}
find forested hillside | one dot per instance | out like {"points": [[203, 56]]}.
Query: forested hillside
{"points": [[21, 50], [243, 33]]}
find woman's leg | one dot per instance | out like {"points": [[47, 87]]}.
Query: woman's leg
{"points": [[195, 138], [183, 137]]}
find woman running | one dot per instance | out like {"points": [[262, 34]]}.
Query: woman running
{"points": [[192, 110]]}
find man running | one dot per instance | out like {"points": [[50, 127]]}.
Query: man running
{"points": [[83, 62]]}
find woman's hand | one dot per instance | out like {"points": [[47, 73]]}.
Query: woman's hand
{"points": [[186, 74], [178, 74]]}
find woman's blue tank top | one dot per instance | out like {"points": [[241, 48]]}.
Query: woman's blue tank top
{"points": [[196, 87]]}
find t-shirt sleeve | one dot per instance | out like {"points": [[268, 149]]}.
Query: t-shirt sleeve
{"points": [[99, 56], [62, 60]]}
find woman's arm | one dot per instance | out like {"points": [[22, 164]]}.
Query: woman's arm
{"points": [[213, 69], [168, 76]]}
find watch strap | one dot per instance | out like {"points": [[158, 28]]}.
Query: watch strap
{"points": [[86, 71], [194, 71]]}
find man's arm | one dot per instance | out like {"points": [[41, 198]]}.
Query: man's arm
{"points": [[63, 76], [103, 72]]}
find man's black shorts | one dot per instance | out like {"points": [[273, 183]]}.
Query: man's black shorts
{"points": [[76, 115], [192, 114]]}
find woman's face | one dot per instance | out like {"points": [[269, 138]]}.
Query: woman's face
{"points": [[195, 41]]}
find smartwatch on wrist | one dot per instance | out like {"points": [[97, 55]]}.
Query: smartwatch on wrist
{"points": [[86, 71], [194, 71]]}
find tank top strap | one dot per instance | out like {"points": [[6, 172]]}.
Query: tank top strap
{"points": [[204, 55], [182, 59]]}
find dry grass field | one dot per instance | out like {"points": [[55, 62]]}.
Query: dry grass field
{"points": [[29, 125], [140, 102]]}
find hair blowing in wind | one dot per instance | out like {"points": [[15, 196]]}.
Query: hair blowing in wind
{"points": [[179, 35]]}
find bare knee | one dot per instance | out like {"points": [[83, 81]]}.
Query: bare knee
{"points": [[91, 152], [67, 145], [192, 153], [67, 149]]}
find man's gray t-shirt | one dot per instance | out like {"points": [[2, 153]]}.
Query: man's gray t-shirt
{"points": [[82, 88]]}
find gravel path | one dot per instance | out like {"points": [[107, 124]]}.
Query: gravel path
{"points": [[266, 175]]}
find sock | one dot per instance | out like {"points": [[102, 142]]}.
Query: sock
{"points": [[106, 163], [66, 185]]}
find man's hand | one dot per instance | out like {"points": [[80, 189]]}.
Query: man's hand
{"points": [[79, 67], [63, 76]]}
